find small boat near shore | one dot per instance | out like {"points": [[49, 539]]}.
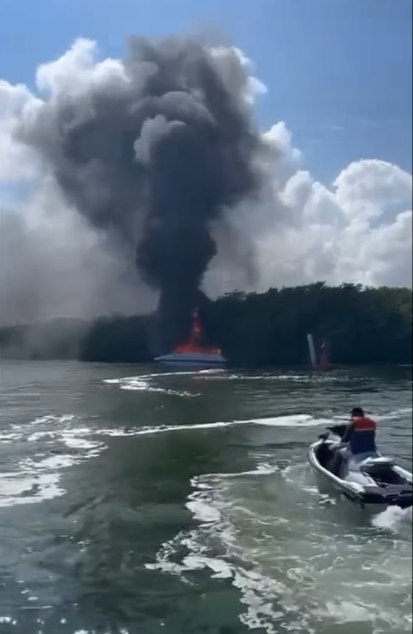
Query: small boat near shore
{"points": [[192, 358], [192, 352], [370, 481]]}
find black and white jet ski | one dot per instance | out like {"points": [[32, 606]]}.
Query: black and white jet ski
{"points": [[369, 480]]}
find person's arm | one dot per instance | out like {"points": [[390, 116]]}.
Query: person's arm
{"points": [[349, 432]]}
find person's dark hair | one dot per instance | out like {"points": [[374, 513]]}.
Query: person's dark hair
{"points": [[357, 412]]}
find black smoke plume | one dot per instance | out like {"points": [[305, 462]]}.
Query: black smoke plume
{"points": [[154, 160]]}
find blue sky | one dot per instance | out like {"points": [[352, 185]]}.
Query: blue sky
{"points": [[338, 71]]}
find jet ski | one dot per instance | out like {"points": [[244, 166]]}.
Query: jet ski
{"points": [[369, 480]]}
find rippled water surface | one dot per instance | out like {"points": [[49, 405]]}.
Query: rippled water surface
{"points": [[139, 502]]}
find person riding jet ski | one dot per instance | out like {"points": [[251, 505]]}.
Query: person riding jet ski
{"points": [[360, 438]]}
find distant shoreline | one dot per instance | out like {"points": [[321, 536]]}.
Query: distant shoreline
{"points": [[363, 326]]}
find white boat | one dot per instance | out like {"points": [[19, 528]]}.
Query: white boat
{"points": [[203, 359], [192, 353]]}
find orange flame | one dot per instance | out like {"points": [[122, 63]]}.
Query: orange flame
{"points": [[193, 345]]}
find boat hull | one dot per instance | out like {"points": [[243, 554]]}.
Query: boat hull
{"points": [[192, 359]]}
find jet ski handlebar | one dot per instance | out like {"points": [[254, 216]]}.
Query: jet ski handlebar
{"points": [[337, 430]]}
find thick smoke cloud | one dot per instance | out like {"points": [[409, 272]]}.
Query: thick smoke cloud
{"points": [[153, 156]]}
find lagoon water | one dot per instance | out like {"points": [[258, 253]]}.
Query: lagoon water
{"points": [[140, 501]]}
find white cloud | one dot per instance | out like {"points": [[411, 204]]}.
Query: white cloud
{"points": [[370, 188], [229, 58], [79, 70], [358, 229], [17, 162]]}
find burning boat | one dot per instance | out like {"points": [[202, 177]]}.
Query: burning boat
{"points": [[192, 352]]}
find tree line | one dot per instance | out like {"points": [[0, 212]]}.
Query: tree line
{"points": [[361, 325]]}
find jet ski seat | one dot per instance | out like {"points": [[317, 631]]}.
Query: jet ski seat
{"points": [[381, 469], [374, 461]]}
